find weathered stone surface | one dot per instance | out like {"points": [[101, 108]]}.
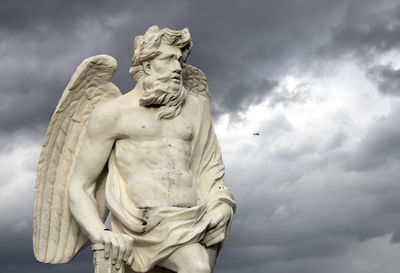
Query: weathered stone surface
{"points": [[150, 157]]}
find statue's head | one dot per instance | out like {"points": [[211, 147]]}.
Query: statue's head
{"points": [[152, 44], [157, 65]]}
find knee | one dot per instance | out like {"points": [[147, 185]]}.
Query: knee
{"points": [[201, 267], [196, 267]]}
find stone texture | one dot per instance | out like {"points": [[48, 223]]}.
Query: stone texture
{"points": [[150, 157]]}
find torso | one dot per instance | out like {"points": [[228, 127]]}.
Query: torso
{"points": [[153, 157]]}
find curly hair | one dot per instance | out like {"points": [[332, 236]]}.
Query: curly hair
{"points": [[146, 47]]}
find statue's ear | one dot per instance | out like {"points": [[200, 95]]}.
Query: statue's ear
{"points": [[146, 67]]}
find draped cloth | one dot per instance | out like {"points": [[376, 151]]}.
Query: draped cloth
{"points": [[159, 231]]}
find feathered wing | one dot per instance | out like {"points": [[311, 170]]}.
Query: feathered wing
{"points": [[57, 237], [195, 81]]}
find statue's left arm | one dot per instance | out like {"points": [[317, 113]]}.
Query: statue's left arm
{"points": [[210, 172]]}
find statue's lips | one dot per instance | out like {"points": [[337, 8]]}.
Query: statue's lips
{"points": [[176, 78]]}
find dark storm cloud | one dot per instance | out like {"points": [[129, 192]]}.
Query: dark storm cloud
{"points": [[386, 78], [33, 17], [367, 28], [20, 258], [29, 108], [253, 42], [36, 58], [245, 49], [44, 42], [242, 95], [310, 207], [249, 46]]}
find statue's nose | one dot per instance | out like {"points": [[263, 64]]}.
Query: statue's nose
{"points": [[177, 67]]}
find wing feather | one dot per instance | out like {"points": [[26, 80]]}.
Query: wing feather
{"points": [[57, 237], [195, 81]]}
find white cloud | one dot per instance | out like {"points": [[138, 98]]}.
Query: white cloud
{"points": [[16, 189]]}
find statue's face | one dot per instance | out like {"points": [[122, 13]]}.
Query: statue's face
{"points": [[168, 64]]}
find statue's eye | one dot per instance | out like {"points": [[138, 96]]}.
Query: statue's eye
{"points": [[168, 58]]}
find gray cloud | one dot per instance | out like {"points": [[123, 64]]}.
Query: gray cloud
{"points": [[308, 207], [298, 94], [380, 145], [246, 40], [242, 95], [367, 28], [386, 78], [300, 207], [304, 201], [44, 16]]}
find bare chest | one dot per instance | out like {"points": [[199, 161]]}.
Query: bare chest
{"points": [[144, 125]]}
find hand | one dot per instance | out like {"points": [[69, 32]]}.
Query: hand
{"points": [[219, 220], [118, 246], [220, 216]]}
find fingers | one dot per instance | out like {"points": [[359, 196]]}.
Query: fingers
{"points": [[213, 234], [107, 248], [118, 247], [215, 228], [129, 247], [216, 218], [130, 259], [131, 254], [114, 250], [121, 252]]}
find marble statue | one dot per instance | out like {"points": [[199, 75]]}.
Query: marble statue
{"points": [[149, 157]]}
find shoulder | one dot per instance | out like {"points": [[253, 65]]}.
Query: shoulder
{"points": [[107, 112], [109, 116], [105, 117]]}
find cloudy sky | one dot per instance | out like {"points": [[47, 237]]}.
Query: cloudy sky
{"points": [[318, 189]]}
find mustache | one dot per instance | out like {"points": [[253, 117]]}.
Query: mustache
{"points": [[152, 80]]}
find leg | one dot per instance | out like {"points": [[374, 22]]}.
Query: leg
{"points": [[212, 256], [193, 258]]}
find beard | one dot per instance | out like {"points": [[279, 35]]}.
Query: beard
{"points": [[160, 91]]}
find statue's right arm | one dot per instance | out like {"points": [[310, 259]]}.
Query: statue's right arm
{"points": [[94, 153]]}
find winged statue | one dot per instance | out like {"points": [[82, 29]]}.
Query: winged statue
{"points": [[150, 157]]}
